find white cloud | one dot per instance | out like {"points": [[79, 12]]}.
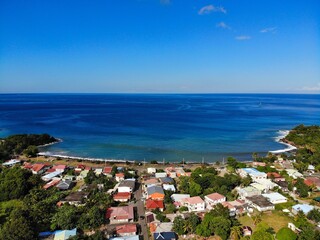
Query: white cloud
{"points": [[223, 25], [211, 8], [268, 30], [312, 89], [242, 38]]}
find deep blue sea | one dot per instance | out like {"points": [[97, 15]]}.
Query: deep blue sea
{"points": [[158, 126]]}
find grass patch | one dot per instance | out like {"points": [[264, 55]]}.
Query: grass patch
{"points": [[275, 220]]}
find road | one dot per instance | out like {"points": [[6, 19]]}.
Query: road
{"points": [[141, 211]]}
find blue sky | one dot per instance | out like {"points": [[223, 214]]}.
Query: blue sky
{"points": [[226, 46]]}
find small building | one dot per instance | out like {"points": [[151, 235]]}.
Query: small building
{"points": [[50, 176], [164, 236], [52, 183], [283, 185], [61, 168], [160, 174], [166, 180], [64, 234], [169, 187], [266, 183], [119, 177], [252, 172], [232, 209], [311, 168], [39, 168], [294, 173], [213, 199], [126, 230], [154, 204], [107, 171], [275, 197], [65, 184], [11, 163], [98, 171], [122, 197], [248, 192], [75, 198], [305, 208], [127, 186], [151, 170], [177, 199], [261, 203], [155, 193], [313, 182], [151, 182], [120, 214], [131, 237], [194, 204], [83, 174], [247, 231], [276, 177]]}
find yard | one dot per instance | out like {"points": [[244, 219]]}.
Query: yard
{"points": [[275, 220]]}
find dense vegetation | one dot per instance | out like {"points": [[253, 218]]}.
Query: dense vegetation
{"points": [[23, 143], [307, 139]]}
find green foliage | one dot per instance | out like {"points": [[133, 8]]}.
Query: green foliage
{"points": [[314, 215], [183, 209], [65, 218], [302, 188], [31, 151], [178, 225], [18, 226], [261, 235], [16, 144], [15, 183], [194, 189], [286, 234], [170, 208], [167, 197], [91, 218]]}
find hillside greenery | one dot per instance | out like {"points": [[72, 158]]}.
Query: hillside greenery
{"points": [[23, 143]]}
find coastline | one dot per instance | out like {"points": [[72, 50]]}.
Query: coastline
{"points": [[281, 139]]}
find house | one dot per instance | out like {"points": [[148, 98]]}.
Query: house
{"points": [[120, 214], [126, 230], [305, 208], [294, 173], [232, 209], [313, 182], [107, 171], [155, 193], [194, 204], [79, 168], [11, 163], [127, 186], [52, 183], [252, 172], [247, 192], [266, 183], [119, 177], [154, 204], [151, 182], [98, 171], [65, 184], [151, 170], [161, 227], [122, 197], [283, 185], [132, 237], [171, 172], [60, 167], [50, 176], [39, 168], [240, 206], [169, 187], [166, 180], [75, 198], [275, 197], [164, 236], [83, 174], [160, 174], [276, 177], [256, 164], [213, 199], [65, 234], [177, 199], [260, 203], [311, 169]]}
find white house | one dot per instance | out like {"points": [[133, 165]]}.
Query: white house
{"points": [[151, 170], [177, 198], [294, 173], [275, 197], [252, 172], [213, 199], [260, 203], [126, 186], [247, 192], [194, 204], [160, 174], [169, 187], [266, 183]]}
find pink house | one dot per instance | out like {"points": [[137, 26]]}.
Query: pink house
{"points": [[120, 214], [213, 199]]}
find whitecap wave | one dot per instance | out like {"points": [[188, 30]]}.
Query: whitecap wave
{"points": [[282, 134]]}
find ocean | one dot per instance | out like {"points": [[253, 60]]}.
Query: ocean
{"points": [[169, 127]]}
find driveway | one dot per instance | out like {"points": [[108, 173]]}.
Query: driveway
{"points": [[141, 211]]}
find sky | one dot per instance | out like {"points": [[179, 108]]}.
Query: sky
{"points": [[159, 46]]}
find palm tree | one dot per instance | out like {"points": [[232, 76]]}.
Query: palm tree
{"points": [[236, 233], [257, 218]]}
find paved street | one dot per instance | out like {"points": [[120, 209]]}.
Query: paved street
{"points": [[140, 211]]}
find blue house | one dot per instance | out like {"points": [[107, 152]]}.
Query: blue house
{"points": [[165, 236]]}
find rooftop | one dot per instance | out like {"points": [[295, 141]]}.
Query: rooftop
{"points": [[253, 171], [127, 228], [193, 200], [124, 212], [260, 201], [215, 196]]}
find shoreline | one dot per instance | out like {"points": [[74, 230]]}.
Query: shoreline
{"points": [[281, 139]]}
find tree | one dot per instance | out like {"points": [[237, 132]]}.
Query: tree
{"points": [[184, 184], [314, 215], [286, 234], [18, 226], [261, 235], [31, 151], [232, 162], [220, 210], [92, 218], [65, 218], [90, 178], [307, 232], [221, 227], [195, 189], [170, 208], [302, 188], [236, 233], [191, 223], [178, 225], [257, 218]]}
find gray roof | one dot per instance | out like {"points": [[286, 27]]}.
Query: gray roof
{"points": [[64, 184], [260, 201], [155, 189], [127, 183]]}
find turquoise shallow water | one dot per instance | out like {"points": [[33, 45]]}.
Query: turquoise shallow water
{"points": [[151, 126]]}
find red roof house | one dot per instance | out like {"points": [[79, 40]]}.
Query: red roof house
{"points": [[107, 171], [154, 204], [122, 197], [126, 230], [120, 214], [38, 168]]}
